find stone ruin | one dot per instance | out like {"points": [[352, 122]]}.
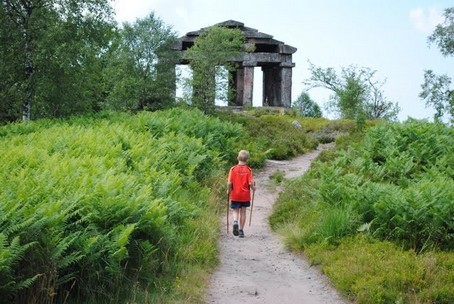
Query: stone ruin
{"points": [[273, 56]]}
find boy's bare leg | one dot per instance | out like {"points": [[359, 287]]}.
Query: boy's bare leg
{"points": [[235, 221], [242, 217], [235, 214]]}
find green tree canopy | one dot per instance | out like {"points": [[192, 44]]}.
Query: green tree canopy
{"points": [[436, 90], [356, 94], [306, 106], [141, 69], [51, 52], [209, 58], [437, 93], [443, 35]]}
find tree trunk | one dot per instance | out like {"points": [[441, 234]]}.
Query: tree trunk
{"points": [[26, 105], [29, 69]]}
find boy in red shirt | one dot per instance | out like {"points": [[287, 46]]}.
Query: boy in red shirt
{"points": [[239, 184]]}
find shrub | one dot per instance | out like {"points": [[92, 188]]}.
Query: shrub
{"points": [[375, 214], [101, 203], [270, 136], [278, 176], [391, 184], [371, 271]]}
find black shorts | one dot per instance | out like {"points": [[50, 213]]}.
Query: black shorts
{"points": [[236, 205]]}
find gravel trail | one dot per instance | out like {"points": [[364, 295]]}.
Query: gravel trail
{"points": [[257, 268]]}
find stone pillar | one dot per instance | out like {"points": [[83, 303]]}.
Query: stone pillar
{"points": [[271, 86], [248, 85], [286, 86], [236, 87]]}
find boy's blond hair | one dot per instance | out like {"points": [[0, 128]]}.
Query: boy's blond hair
{"points": [[243, 156]]}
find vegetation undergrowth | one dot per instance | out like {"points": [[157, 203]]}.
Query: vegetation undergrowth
{"points": [[272, 135], [120, 208], [377, 215], [110, 208], [373, 271]]}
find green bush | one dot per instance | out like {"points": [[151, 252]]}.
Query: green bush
{"points": [[417, 217], [269, 136], [395, 184], [390, 182], [371, 271], [331, 130], [278, 176], [107, 203], [335, 224]]}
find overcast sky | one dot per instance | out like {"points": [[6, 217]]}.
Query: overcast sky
{"points": [[385, 35]]}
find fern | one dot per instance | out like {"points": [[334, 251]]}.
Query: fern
{"points": [[11, 253], [104, 199], [397, 181]]}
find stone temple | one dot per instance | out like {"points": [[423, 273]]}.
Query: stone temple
{"points": [[273, 56]]}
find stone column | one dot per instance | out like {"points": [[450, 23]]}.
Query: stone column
{"points": [[271, 86], [248, 85], [286, 87], [236, 87]]}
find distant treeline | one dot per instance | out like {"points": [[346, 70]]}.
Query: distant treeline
{"points": [[61, 58]]}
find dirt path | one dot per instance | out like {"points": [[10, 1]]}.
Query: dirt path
{"points": [[258, 269]]}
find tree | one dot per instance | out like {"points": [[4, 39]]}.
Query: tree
{"points": [[443, 35], [436, 90], [50, 54], [209, 58], [306, 106], [356, 94], [10, 69], [141, 71]]}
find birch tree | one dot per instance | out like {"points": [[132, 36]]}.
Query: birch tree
{"points": [[49, 51], [436, 89]]}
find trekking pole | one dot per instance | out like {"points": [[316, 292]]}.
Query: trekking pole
{"points": [[252, 206], [228, 207]]}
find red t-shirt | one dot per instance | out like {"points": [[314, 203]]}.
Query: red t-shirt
{"points": [[241, 178]]}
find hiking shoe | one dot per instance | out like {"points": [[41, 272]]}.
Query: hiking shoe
{"points": [[241, 233], [235, 229]]}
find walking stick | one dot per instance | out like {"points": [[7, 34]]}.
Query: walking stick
{"points": [[252, 206], [228, 207]]}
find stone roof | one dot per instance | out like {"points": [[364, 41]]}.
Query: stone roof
{"points": [[252, 36]]}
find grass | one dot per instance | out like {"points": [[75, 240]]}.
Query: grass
{"points": [[110, 209], [372, 271], [366, 270], [277, 176], [316, 216], [270, 136]]}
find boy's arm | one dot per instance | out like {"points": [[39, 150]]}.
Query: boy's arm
{"points": [[251, 181], [229, 187], [229, 182]]}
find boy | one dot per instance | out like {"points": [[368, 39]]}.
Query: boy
{"points": [[239, 184]]}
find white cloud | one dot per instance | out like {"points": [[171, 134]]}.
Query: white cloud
{"points": [[181, 12], [127, 11], [425, 20], [176, 13]]}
